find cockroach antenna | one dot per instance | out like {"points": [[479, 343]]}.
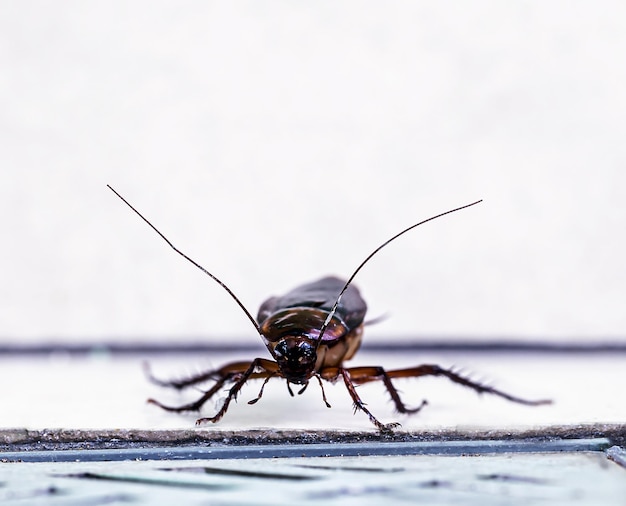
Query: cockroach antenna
{"points": [[212, 276], [368, 258]]}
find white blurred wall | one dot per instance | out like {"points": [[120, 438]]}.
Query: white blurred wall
{"points": [[275, 142]]}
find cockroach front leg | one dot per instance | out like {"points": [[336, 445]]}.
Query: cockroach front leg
{"points": [[258, 368]]}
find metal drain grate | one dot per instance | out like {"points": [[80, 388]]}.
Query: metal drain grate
{"points": [[485, 473]]}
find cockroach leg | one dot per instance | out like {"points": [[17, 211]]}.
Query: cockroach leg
{"points": [[301, 391], [196, 405], [435, 370], [227, 374], [214, 374], [258, 368], [147, 370], [319, 380], [180, 383], [289, 388], [362, 375], [360, 405], [269, 376]]}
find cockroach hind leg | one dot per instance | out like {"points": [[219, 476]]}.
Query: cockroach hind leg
{"points": [[174, 409], [412, 411], [180, 383], [147, 370], [196, 405], [454, 376]]}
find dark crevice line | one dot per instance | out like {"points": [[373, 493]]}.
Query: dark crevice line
{"points": [[36, 493], [502, 345], [355, 469], [241, 473], [145, 481], [529, 480], [102, 499], [387, 492], [435, 484]]}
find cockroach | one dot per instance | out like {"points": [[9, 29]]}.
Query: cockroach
{"points": [[310, 332]]}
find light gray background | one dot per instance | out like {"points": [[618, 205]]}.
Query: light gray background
{"points": [[275, 142]]}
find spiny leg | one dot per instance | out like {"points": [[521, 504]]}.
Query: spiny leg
{"points": [[267, 367], [435, 370], [359, 404], [196, 405], [214, 374], [362, 375], [226, 374]]}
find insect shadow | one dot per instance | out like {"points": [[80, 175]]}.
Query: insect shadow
{"points": [[310, 332]]}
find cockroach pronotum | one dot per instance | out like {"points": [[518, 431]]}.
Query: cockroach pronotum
{"points": [[310, 332]]}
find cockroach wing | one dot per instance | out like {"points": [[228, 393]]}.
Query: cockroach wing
{"points": [[320, 294]]}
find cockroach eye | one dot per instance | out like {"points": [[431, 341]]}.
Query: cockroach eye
{"points": [[307, 352], [280, 350]]}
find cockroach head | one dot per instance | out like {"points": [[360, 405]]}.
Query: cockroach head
{"points": [[296, 357]]}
